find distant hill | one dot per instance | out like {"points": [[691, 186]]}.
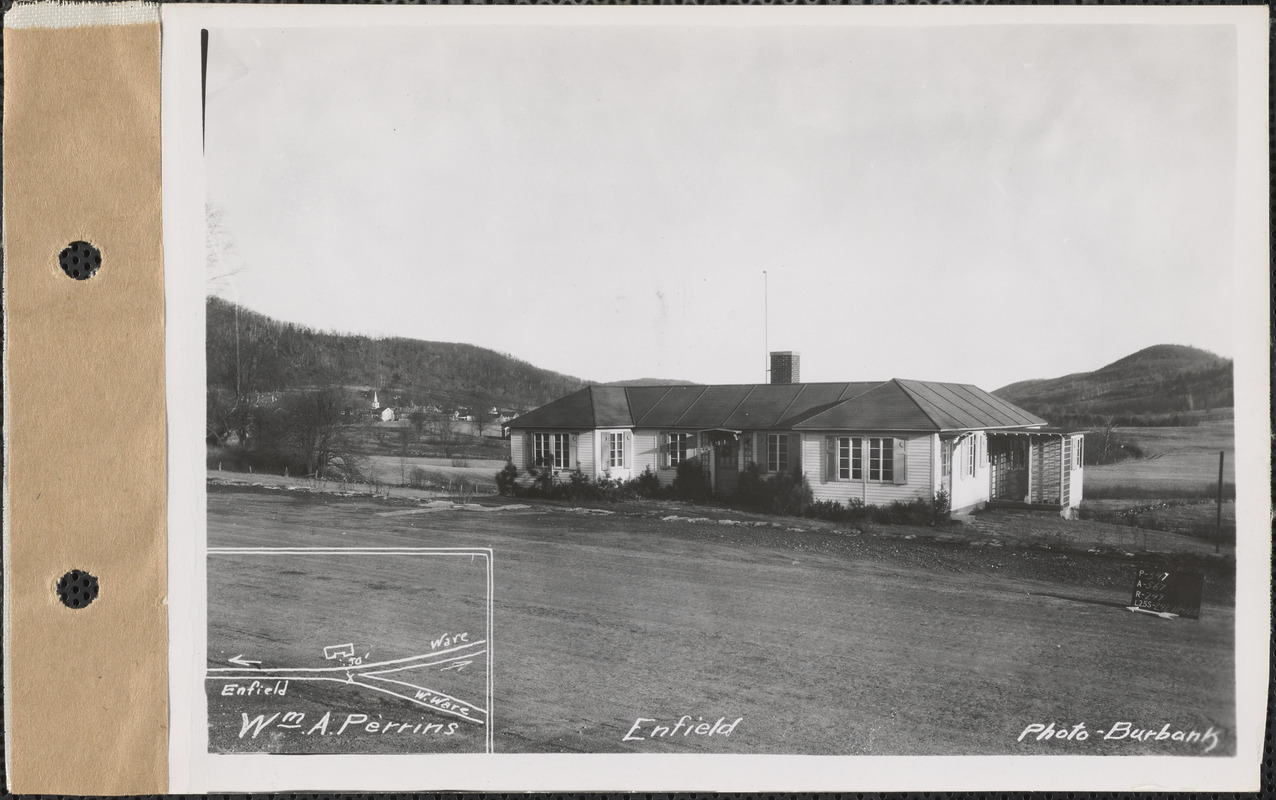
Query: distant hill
{"points": [[1165, 384], [251, 353], [650, 382]]}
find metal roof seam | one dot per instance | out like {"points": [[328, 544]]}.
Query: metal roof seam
{"points": [[961, 404], [908, 393], [1010, 408], [785, 411], [638, 422], [806, 415], [743, 400], [690, 406], [976, 398], [842, 396]]}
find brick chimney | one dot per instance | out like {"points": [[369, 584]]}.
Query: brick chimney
{"points": [[784, 367]]}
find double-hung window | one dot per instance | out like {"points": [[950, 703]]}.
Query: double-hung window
{"points": [[679, 445], [881, 459], [850, 458], [777, 452], [615, 450], [551, 450]]}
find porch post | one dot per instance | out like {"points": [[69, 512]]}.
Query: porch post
{"points": [[1029, 460], [1061, 466]]}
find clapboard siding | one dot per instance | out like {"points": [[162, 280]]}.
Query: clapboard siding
{"points": [[646, 451], [586, 448], [518, 449], [1075, 478], [919, 466], [970, 491]]}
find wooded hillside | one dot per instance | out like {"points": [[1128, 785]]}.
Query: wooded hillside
{"points": [[1159, 385], [251, 353]]}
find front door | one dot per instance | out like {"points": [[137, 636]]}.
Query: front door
{"points": [[726, 467]]}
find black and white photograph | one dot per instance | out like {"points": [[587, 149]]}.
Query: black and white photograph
{"points": [[724, 384]]}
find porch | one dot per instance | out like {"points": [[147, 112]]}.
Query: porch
{"points": [[721, 459], [1032, 470]]}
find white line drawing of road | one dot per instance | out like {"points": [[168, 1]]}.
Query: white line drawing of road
{"points": [[424, 696], [372, 676]]}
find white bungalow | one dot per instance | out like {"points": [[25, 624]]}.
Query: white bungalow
{"points": [[876, 442]]}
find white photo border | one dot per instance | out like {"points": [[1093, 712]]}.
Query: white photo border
{"points": [[194, 770]]}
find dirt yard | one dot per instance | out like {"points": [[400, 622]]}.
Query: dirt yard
{"points": [[759, 634]]}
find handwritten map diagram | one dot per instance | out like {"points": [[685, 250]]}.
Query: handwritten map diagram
{"points": [[349, 650]]}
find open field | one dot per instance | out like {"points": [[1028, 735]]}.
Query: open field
{"points": [[1178, 462], [466, 473], [818, 639]]}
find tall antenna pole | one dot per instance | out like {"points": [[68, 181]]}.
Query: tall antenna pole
{"points": [[766, 334]]}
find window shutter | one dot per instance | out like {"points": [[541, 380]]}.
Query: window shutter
{"points": [[575, 454], [604, 453], [794, 452], [830, 459], [664, 451], [764, 452], [629, 449], [528, 453], [900, 465]]}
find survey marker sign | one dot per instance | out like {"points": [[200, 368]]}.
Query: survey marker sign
{"points": [[1175, 592], [363, 651]]}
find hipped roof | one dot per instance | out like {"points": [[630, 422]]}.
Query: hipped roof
{"points": [[893, 405]]}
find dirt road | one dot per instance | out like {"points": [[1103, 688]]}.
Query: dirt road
{"points": [[610, 629]]}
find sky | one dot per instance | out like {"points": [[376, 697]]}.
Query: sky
{"points": [[980, 204]]}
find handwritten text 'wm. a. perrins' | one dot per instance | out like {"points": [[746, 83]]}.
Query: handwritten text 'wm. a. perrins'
{"points": [[340, 725], [685, 726], [1206, 740]]}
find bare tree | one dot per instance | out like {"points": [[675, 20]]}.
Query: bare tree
{"points": [[419, 419], [406, 439], [443, 427], [313, 429], [480, 417]]}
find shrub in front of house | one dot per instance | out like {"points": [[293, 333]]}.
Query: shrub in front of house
{"points": [[914, 512], [648, 484], [507, 480], [750, 490], [691, 483], [786, 493], [834, 511], [578, 487]]}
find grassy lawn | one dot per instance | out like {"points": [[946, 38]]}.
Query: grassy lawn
{"points": [[819, 639], [1178, 462], [1171, 488]]}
